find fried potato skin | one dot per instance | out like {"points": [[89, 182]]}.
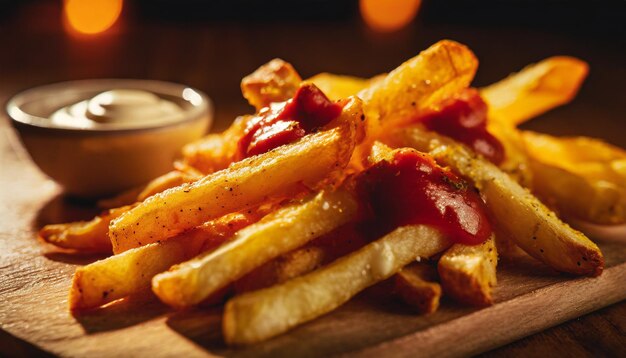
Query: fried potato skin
{"points": [[536, 229], [468, 272], [255, 316], [416, 285], [278, 233], [242, 185]]}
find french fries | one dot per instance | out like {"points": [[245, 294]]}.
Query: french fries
{"points": [[442, 69], [242, 185], [259, 315], [278, 233], [469, 272], [131, 272], [535, 89], [592, 169], [291, 233], [416, 285], [90, 236], [536, 229]]}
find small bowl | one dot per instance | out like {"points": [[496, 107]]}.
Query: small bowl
{"points": [[102, 161]]}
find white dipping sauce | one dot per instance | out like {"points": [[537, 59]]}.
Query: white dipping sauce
{"points": [[120, 108]]}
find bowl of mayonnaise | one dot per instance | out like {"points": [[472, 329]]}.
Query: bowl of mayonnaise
{"points": [[99, 137]]}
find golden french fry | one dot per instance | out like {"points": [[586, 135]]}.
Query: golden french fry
{"points": [[255, 316], [443, 69], [87, 236], [536, 89], [338, 87], [595, 171], [416, 285], [242, 185], [276, 81], [468, 272], [535, 228], [278, 233], [130, 272]]}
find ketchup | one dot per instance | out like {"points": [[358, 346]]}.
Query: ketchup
{"points": [[412, 189], [464, 118], [285, 122]]}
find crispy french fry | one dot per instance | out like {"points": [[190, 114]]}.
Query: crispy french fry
{"points": [[338, 87], [594, 170], [242, 185], [535, 228], [86, 236], [276, 81], [278, 233], [468, 272], [442, 69], [259, 315], [416, 285], [536, 89], [130, 272]]}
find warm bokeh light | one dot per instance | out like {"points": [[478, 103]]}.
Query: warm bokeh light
{"points": [[92, 16], [388, 15]]}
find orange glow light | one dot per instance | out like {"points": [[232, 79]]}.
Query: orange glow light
{"points": [[388, 15], [92, 16]]}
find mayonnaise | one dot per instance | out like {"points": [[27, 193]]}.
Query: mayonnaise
{"points": [[120, 108]]}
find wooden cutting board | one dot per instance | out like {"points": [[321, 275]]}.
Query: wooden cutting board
{"points": [[35, 280]]}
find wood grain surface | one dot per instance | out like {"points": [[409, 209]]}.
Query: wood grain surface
{"points": [[529, 298]]}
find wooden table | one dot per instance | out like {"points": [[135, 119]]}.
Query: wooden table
{"points": [[214, 58]]}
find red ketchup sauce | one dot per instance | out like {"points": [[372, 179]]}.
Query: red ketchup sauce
{"points": [[464, 118], [284, 122], [412, 189]]}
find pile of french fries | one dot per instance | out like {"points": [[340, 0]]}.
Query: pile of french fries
{"points": [[273, 235]]}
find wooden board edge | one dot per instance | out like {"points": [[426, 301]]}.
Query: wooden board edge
{"points": [[509, 321]]}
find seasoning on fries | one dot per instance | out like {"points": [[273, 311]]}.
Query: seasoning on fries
{"points": [[338, 183]]}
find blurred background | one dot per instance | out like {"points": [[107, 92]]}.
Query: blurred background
{"points": [[211, 45]]}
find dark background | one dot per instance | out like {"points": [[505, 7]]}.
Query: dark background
{"points": [[211, 45]]}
